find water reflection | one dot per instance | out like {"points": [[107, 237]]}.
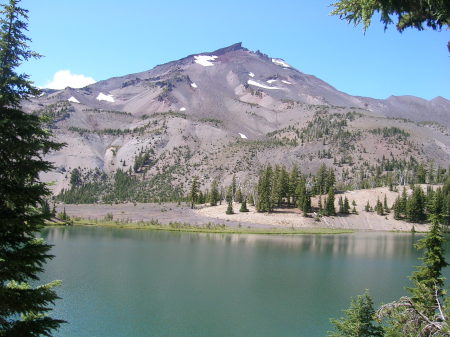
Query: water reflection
{"points": [[153, 283], [363, 244]]}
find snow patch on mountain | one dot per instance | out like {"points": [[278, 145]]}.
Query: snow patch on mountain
{"points": [[251, 74], [286, 82], [242, 135], [183, 109], [73, 100], [193, 85], [205, 60], [102, 97], [281, 62], [256, 84], [271, 81]]}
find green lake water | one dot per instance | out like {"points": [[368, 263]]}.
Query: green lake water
{"points": [[119, 282]]}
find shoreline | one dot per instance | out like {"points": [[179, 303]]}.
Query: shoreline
{"points": [[204, 218], [214, 229]]}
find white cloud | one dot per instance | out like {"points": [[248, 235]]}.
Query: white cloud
{"points": [[64, 78]]}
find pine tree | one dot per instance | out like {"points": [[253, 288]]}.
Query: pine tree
{"points": [[214, 194], [233, 186], [276, 187], [243, 206], [300, 193], [264, 203], [75, 177], [415, 206], [238, 195], [397, 207], [329, 205], [358, 320], [229, 199], [320, 180], [379, 207], [427, 278], [385, 205], [346, 206], [194, 191], [284, 185], [422, 314], [293, 180], [306, 205], [403, 201], [24, 143], [229, 194], [368, 208], [341, 205]]}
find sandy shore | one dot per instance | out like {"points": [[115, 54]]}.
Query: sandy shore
{"points": [[281, 218], [293, 217]]}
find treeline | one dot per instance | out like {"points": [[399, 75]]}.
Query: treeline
{"points": [[420, 206], [278, 188], [122, 186], [391, 172], [391, 132]]}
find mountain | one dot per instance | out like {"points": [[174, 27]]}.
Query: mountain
{"points": [[231, 111]]}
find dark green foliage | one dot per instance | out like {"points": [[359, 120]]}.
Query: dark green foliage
{"points": [[385, 205], [233, 187], [143, 159], [397, 209], [306, 205], [213, 121], [358, 320], [229, 194], [238, 196], [264, 188], [122, 189], [75, 177], [214, 194], [344, 205], [368, 208], [341, 205], [243, 206], [421, 174], [13, 51], [55, 112], [391, 132], [415, 206], [423, 313], [427, 278], [24, 143], [194, 192], [329, 204], [404, 14], [293, 181], [300, 193], [324, 180], [229, 202], [379, 207]]}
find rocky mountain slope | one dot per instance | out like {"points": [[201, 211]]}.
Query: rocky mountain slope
{"points": [[231, 111]]}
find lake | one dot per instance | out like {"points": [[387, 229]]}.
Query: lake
{"points": [[119, 282]]}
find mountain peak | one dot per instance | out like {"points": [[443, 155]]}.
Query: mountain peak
{"points": [[233, 47]]}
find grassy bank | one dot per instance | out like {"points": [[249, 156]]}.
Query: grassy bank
{"points": [[206, 228]]}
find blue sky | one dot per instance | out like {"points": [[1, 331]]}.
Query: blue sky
{"points": [[101, 39]]}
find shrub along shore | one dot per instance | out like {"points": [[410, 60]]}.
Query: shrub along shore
{"points": [[205, 228]]}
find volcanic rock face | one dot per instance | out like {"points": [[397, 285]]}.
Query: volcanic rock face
{"points": [[231, 111]]}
